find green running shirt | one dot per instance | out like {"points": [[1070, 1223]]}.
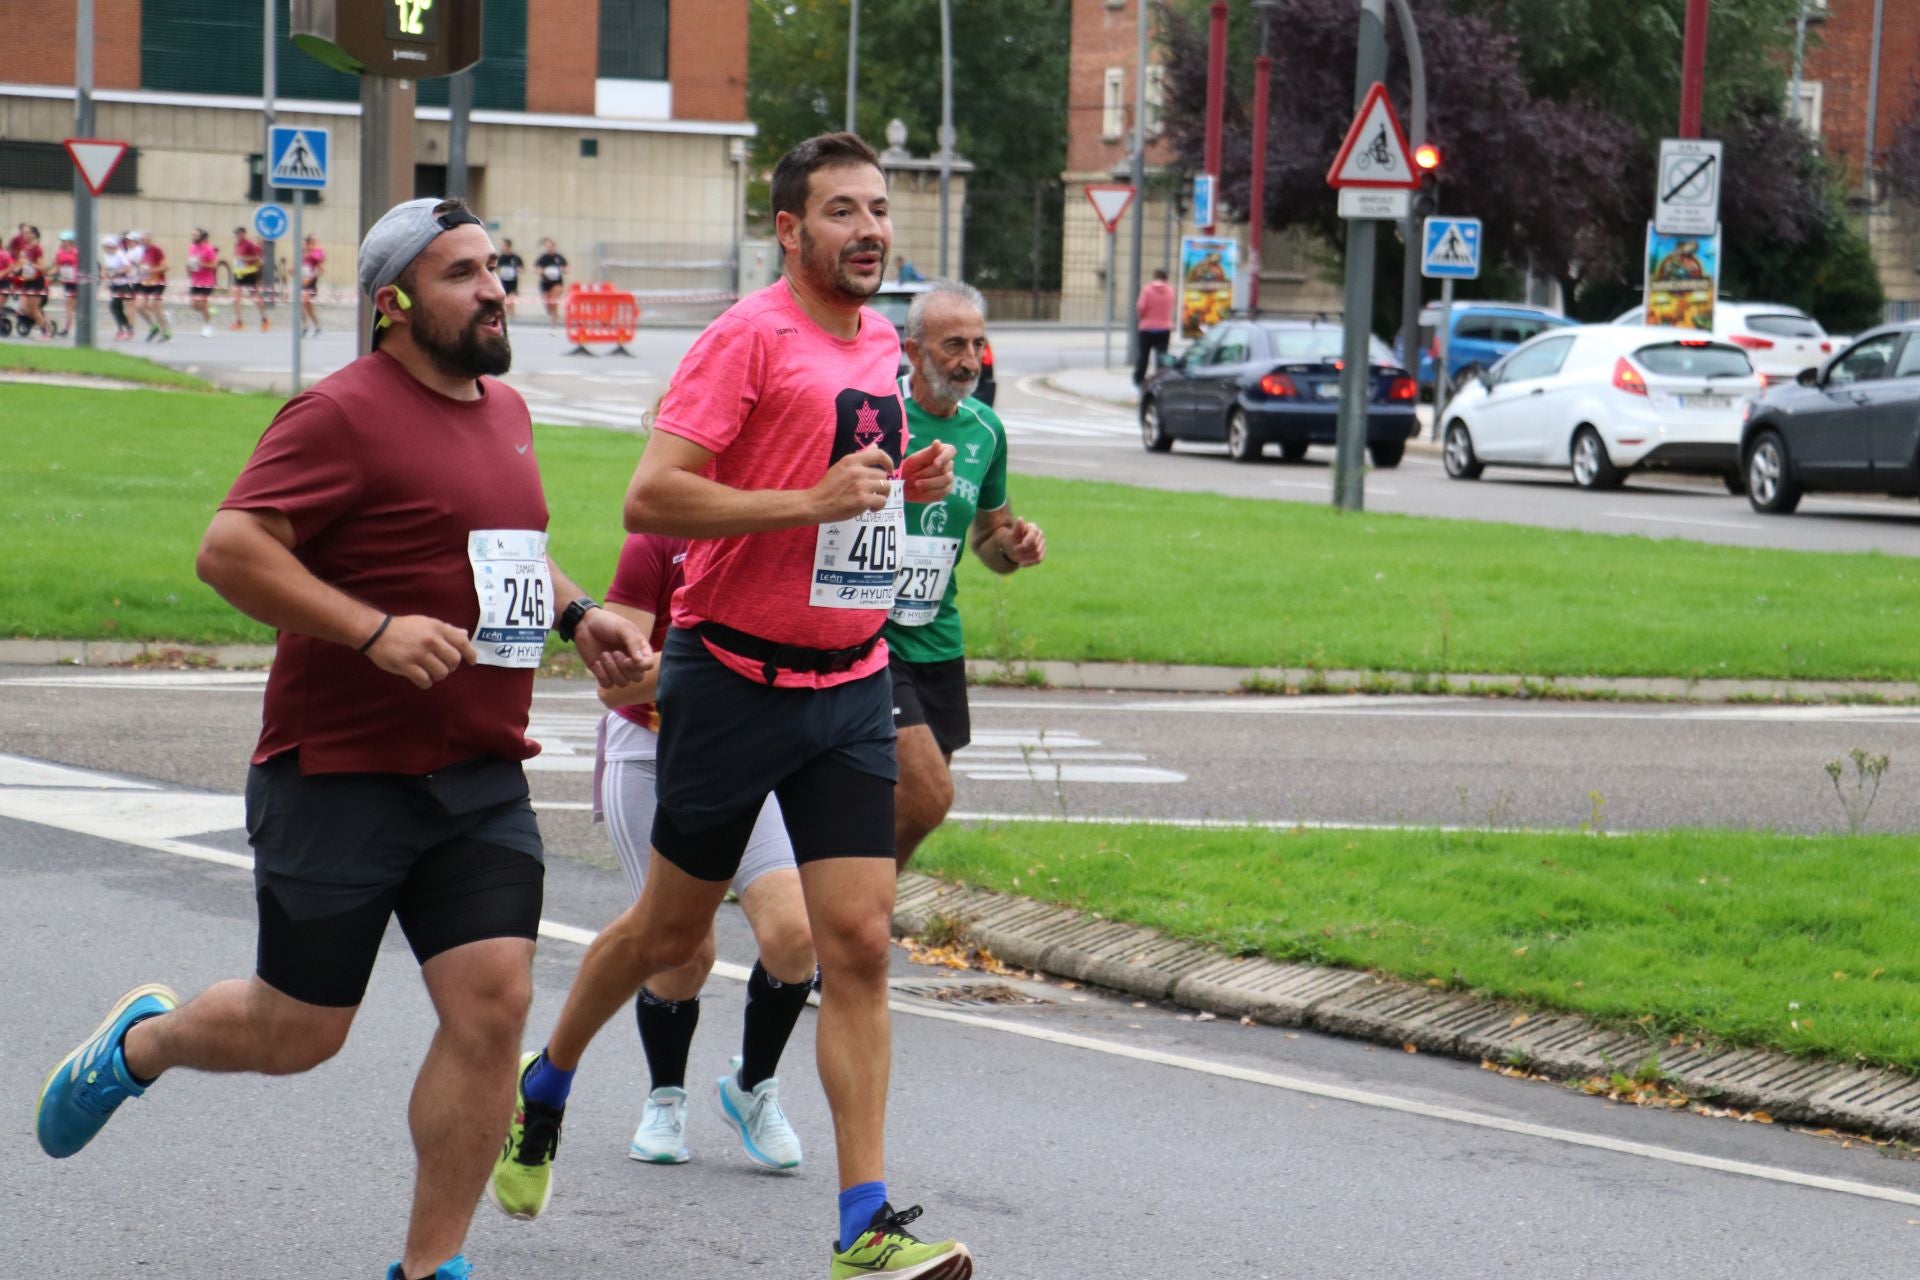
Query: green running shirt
{"points": [[924, 625]]}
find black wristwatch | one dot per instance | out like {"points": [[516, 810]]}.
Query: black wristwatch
{"points": [[571, 616]]}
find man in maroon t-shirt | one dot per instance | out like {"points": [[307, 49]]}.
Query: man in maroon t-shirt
{"points": [[781, 451], [391, 525]]}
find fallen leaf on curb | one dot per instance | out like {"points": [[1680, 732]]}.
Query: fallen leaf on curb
{"points": [[1248, 1022], [1204, 1016], [1411, 1047]]}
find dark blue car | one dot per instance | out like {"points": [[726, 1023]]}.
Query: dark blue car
{"points": [[1250, 383]]}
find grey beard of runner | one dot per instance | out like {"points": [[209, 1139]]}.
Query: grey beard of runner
{"points": [[948, 391], [834, 274], [470, 353]]}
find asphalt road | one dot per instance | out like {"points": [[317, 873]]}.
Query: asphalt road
{"points": [[1070, 1136], [1062, 435]]}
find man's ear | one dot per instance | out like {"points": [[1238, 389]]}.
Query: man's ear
{"points": [[786, 230]]}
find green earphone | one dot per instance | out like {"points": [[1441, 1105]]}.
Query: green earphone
{"points": [[406, 304]]}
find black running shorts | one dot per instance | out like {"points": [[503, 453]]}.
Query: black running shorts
{"points": [[456, 855], [727, 742], [933, 694]]}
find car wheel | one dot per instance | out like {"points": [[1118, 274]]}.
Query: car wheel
{"points": [[1241, 446], [1735, 481], [1592, 468], [1153, 433], [1770, 486], [1387, 454], [1293, 450], [1458, 455]]}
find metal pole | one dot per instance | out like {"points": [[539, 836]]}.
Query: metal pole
{"points": [[298, 324], [1216, 92], [1442, 363], [1410, 230], [1873, 102], [946, 123], [1112, 239], [1693, 69], [853, 62], [1349, 492], [84, 229], [1799, 62], [1257, 184], [459, 120], [386, 163], [1139, 175], [268, 74]]}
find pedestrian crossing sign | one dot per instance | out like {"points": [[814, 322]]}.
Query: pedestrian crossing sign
{"points": [[298, 157], [1452, 249]]}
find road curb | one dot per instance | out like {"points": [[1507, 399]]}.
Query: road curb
{"points": [[1358, 1005]]}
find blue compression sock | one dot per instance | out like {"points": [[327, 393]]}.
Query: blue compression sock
{"points": [[546, 1083], [857, 1207]]}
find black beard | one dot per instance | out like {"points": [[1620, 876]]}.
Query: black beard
{"points": [[832, 276], [472, 353]]}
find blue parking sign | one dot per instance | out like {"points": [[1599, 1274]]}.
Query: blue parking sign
{"points": [[297, 157], [270, 220], [1452, 249]]}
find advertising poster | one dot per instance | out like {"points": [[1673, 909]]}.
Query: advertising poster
{"points": [[1683, 277], [1207, 266]]}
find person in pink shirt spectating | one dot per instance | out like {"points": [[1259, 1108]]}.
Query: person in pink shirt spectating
{"points": [[1155, 312]]}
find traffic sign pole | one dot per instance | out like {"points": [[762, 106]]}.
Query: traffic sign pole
{"points": [[84, 226], [1349, 477], [299, 289], [1112, 239], [1442, 362]]}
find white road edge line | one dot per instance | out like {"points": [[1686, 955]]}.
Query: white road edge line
{"points": [[1698, 524], [578, 936]]}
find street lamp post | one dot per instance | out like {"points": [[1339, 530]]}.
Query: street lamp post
{"points": [[853, 62], [946, 123], [1257, 185]]}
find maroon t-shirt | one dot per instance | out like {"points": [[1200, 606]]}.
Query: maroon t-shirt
{"points": [[383, 479], [651, 569]]}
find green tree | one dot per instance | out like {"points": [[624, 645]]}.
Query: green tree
{"points": [[1009, 101]]}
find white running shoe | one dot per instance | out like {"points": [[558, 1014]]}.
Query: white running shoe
{"points": [[661, 1137], [206, 331], [758, 1119]]}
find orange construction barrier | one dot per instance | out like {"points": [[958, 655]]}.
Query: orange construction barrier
{"points": [[600, 313]]}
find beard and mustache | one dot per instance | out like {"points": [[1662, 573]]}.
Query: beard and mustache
{"points": [[948, 390], [831, 272], [468, 351]]}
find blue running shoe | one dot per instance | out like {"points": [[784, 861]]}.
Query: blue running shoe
{"points": [[454, 1268], [91, 1082]]}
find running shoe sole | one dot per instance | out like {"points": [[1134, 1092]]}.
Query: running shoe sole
{"points": [[954, 1266], [158, 989], [638, 1156]]}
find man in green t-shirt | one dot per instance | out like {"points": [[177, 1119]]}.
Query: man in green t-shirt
{"points": [[946, 339]]}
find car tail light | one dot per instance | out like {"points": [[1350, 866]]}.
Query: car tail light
{"points": [[1694, 342], [1627, 378], [1826, 348], [1279, 386], [986, 356], [1403, 389], [1752, 343]]}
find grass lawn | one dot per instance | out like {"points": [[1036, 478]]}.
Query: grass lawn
{"points": [[106, 494], [1802, 944], [99, 364]]}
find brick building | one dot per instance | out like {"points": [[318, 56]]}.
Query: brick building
{"points": [[1100, 101], [617, 127], [1833, 104]]}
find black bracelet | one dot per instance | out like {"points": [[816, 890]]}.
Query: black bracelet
{"points": [[377, 633]]}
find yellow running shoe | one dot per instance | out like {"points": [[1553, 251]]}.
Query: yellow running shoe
{"points": [[886, 1249], [522, 1181]]}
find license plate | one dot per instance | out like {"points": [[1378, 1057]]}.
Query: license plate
{"points": [[1706, 402], [1327, 390]]}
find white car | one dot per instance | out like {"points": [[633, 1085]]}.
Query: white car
{"points": [[1783, 342], [1605, 400]]}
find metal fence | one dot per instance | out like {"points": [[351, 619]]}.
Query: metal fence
{"points": [[675, 284], [1013, 249]]}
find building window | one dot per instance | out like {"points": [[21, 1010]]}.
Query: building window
{"points": [[46, 166], [1807, 110], [633, 39], [1113, 98], [1156, 99]]}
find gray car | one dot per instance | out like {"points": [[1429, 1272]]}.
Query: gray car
{"points": [[1851, 427]]}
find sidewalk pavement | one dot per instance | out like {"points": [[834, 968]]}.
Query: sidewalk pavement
{"points": [[1346, 1002], [1114, 388]]}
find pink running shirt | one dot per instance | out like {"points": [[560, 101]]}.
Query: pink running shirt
{"points": [[778, 400], [202, 259]]}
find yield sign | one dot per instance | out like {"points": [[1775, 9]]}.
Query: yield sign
{"points": [[1375, 152], [1110, 201], [96, 159]]}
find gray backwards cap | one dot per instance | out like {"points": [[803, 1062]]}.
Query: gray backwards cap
{"points": [[400, 236]]}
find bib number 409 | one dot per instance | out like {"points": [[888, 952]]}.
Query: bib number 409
{"points": [[875, 547]]}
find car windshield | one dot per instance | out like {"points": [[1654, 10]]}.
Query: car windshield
{"points": [[1785, 325], [1323, 346], [1694, 360], [892, 305]]}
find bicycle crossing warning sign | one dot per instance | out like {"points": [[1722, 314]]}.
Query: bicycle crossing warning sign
{"points": [[299, 157], [1452, 249], [1375, 153]]}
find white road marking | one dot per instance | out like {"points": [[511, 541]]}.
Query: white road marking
{"points": [[1450, 708], [224, 681], [23, 771], [1698, 524], [141, 836]]}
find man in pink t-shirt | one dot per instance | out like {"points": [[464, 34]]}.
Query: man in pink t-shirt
{"points": [[203, 262], [781, 452], [1153, 312]]}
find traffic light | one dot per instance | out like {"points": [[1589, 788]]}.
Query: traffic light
{"points": [[1426, 162]]}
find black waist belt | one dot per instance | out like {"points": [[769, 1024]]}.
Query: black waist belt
{"points": [[775, 658]]}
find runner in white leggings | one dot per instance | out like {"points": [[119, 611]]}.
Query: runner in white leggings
{"points": [[768, 883]]}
